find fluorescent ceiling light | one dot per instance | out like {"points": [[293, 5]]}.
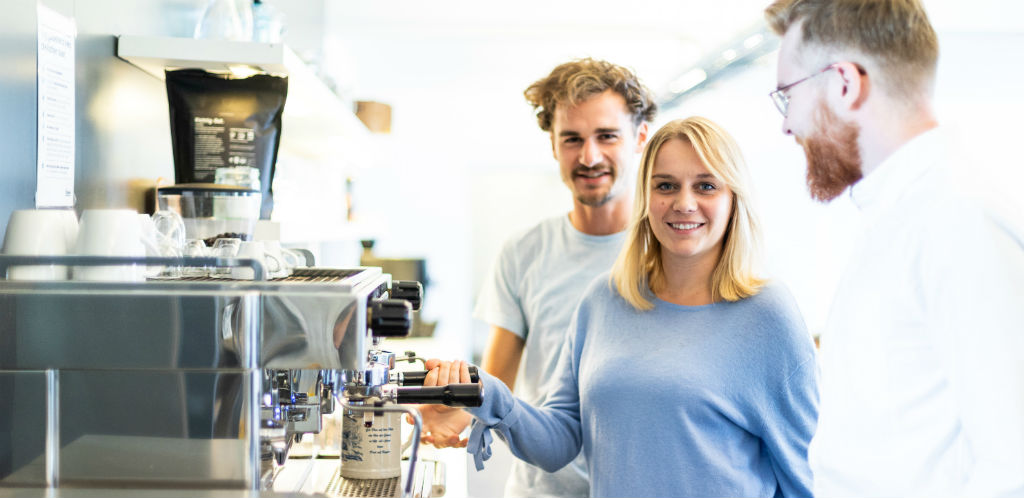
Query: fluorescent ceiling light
{"points": [[688, 80], [753, 41]]}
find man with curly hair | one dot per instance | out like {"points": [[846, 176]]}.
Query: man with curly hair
{"points": [[596, 115]]}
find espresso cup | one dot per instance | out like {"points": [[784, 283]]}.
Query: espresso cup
{"points": [[286, 260], [40, 232], [255, 250], [110, 232]]}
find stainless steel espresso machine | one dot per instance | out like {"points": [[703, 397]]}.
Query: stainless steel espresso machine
{"points": [[205, 383]]}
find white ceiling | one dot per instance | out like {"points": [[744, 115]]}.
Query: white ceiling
{"points": [[444, 63], [655, 37], [658, 38]]}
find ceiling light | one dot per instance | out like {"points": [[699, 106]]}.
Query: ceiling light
{"points": [[729, 55], [688, 80], [753, 41]]}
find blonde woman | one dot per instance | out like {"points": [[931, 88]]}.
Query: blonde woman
{"points": [[683, 373]]}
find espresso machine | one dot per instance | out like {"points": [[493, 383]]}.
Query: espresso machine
{"points": [[208, 383]]}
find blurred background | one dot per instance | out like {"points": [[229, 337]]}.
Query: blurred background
{"points": [[461, 164], [467, 159]]}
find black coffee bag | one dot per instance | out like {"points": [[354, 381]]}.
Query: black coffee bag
{"points": [[220, 121]]}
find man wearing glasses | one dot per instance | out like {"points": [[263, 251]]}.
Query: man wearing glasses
{"points": [[922, 360]]}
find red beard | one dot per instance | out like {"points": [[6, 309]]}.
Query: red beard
{"points": [[833, 160]]}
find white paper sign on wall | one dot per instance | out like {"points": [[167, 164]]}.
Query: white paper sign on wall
{"points": [[55, 85]]}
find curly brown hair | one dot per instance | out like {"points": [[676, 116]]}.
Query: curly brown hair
{"points": [[576, 81]]}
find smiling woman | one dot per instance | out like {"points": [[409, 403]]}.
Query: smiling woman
{"points": [[695, 237], [734, 414], [688, 210]]}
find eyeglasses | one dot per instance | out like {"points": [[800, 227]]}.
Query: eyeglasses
{"points": [[780, 96]]}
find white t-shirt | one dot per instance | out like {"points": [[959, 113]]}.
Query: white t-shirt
{"points": [[922, 387], [533, 291]]}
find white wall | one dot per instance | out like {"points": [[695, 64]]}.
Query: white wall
{"points": [[466, 166]]}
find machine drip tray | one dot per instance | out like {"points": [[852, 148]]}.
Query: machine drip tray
{"points": [[322, 477], [342, 487]]}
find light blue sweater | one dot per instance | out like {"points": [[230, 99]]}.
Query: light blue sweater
{"points": [[714, 400]]}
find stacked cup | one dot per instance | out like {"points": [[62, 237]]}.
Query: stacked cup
{"points": [[110, 232], [40, 232]]}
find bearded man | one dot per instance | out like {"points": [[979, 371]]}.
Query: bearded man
{"points": [[922, 388]]}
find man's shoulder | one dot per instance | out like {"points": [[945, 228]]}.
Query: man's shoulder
{"points": [[936, 211], [527, 242]]}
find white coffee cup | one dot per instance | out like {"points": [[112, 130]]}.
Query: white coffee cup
{"points": [[256, 250], [40, 232], [110, 232], [288, 260], [296, 256]]}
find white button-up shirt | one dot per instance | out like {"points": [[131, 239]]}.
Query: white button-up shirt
{"points": [[922, 389]]}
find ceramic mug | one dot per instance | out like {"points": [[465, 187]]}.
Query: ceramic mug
{"points": [[40, 232], [256, 250], [288, 259], [110, 232], [373, 452]]}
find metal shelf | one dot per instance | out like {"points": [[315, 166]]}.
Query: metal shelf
{"points": [[318, 125], [153, 54]]}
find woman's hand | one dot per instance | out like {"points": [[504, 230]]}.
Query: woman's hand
{"points": [[442, 425], [442, 373]]}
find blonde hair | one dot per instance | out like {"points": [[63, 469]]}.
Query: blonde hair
{"points": [[896, 34], [571, 83], [638, 269]]}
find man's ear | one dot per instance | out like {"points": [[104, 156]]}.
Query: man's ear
{"points": [[855, 86], [554, 153], [641, 137]]}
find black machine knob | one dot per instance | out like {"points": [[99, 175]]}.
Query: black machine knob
{"points": [[458, 395], [415, 378], [409, 290], [390, 318]]}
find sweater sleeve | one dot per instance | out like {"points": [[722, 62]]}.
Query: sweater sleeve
{"points": [[787, 431], [549, 436], [790, 409]]}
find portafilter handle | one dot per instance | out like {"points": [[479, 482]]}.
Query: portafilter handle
{"points": [[416, 377], [457, 395]]}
